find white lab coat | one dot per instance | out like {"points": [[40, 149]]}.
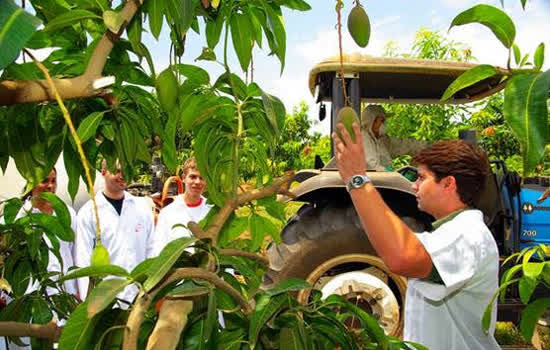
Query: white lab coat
{"points": [[127, 237], [178, 212]]}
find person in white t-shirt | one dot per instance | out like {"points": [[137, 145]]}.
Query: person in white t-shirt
{"points": [[189, 206], [453, 271]]}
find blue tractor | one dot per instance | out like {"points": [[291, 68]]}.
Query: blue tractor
{"points": [[324, 242]]}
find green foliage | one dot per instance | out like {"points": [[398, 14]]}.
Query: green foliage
{"points": [[526, 111], [495, 19], [16, 28]]}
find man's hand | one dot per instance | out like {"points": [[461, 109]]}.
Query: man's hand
{"points": [[349, 155]]}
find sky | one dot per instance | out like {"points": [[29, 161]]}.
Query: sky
{"points": [[311, 37]]}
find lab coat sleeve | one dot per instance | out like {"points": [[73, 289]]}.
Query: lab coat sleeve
{"points": [[84, 244]]}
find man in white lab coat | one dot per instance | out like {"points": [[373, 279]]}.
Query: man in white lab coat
{"points": [[126, 226], [189, 206]]}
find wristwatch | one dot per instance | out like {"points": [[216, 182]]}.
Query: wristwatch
{"points": [[357, 181]]}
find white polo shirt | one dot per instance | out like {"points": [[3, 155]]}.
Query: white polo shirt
{"points": [[448, 316]]}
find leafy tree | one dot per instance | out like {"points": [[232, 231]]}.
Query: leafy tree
{"points": [[235, 126]]}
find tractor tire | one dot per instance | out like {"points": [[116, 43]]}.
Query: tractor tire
{"points": [[331, 234]]}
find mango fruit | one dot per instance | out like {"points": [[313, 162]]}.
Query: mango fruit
{"points": [[347, 116], [100, 256], [167, 89], [359, 25], [215, 3]]}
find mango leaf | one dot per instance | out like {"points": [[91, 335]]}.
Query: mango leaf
{"points": [[257, 232], [370, 324], [193, 74], [104, 294], [41, 312], [188, 289], [275, 111], [11, 209], [517, 54], [60, 208], [469, 78], [243, 39], [16, 28], [230, 339], [141, 271], [95, 271], [207, 54], [234, 227], [265, 308], [53, 225], [526, 112], [276, 30], [243, 268], [527, 286], [166, 259], [169, 154], [88, 126], [199, 108], [488, 313], [134, 30], [531, 315], [78, 331], [523, 2], [155, 9], [539, 56], [182, 13], [214, 29], [72, 167], [289, 285], [299, 5], [211, 316], [493, 18], [69, 18], [289, 339]]}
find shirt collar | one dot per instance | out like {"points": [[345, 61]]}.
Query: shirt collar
{"points": [[101, 200], [437, 224]]}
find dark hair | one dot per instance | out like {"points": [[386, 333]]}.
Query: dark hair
{"points": [[466, 163]]}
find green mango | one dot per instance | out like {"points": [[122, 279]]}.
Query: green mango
{"points": [[347, 116], [167, 89], [100, 255], [359, 25]]}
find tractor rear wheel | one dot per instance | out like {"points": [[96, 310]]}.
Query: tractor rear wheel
{"points": [[327, 246]]}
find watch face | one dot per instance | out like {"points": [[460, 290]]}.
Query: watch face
{"points": [[357, 180]]}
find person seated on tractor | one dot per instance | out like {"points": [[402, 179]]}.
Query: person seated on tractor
{"points": [[453, 270], [381, 148]]}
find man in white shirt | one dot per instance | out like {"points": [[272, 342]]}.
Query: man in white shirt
{"points": [[189, 206], [453, 271], [126, 226]]}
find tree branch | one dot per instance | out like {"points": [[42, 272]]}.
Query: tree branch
{"points": [[144, 300], [27, 91], [225, 212], [20, 329], [235, 252]]}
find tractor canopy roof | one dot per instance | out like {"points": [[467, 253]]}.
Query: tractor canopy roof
{"points": [[401, 80]]}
